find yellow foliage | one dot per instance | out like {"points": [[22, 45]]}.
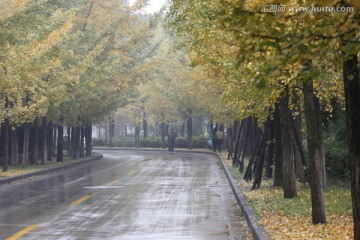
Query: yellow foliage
{"points": [[10, 7]]}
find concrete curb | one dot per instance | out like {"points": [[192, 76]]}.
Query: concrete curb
{"points": [[257, 231], [95, 156]]}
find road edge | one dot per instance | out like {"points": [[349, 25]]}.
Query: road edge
{"points": [[257, 231], [8, 180]]}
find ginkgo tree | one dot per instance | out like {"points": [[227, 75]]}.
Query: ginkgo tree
{"points": [[274, 52], [68, 62]]}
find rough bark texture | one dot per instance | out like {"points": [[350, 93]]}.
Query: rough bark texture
{"points": [[270, 149], [314, 139], [278, 171], [289, 183], [352, 101]]}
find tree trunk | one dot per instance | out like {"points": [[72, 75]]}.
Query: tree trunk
{"points": [[6, 144], [300, 164], [60, 144], [237, 135], [50, 133], [82, 137], [137, 135], [182, 132], [270, 149], [25, 153], [287, 148], [314, 139], [35, 143], [245, 144], [88, 139], [162, 129], [69, 140], [14, 147], [278, 171], [351, 76], [145, 125], [74, 143], [189, 124], [44, 143]]}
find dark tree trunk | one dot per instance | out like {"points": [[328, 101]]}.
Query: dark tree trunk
{"points": [[44, 139], [77, 142], [289, 185], [254, 158], [278, 171], [189, 124], [247, 124], [50, 133], [352, 100], [60, 144], [300, 161], [35, 143], [82, 137], [25, 152], [270, 149], [69, 140], [6, 144], [237, 135], [314, 139], [137, 135], [14, 147], [74, 143], [145, 125], [300, 164], [182, 133], [260, 164], [88, 139]]}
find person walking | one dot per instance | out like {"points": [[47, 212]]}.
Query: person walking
{"points": [[171, 140], [214, 138], [219, 138]]}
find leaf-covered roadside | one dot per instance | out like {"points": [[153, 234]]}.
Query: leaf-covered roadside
{"points": [[25, 169], [291, 218]]}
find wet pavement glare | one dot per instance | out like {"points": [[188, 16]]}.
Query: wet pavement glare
{"points": [[126, 195]]}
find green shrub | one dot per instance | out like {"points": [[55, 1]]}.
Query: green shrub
{"points": [[151, 142], [336, 156]]}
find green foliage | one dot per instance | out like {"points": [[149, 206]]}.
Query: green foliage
{"points": [[336, 155]]}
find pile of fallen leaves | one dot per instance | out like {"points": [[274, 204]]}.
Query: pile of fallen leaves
{"points": [[291, 218]]}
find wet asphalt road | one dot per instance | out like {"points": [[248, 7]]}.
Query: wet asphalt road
{"points": [[125, 195]]}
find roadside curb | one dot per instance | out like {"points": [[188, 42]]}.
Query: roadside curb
{"points": [[257, 231], [94, 156]]}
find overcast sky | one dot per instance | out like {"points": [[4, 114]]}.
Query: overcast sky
{"points": [[154, 5]]}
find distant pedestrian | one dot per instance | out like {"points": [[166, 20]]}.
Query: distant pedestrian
{"points": [[214, 138], [171, 140], [219, 138]]}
